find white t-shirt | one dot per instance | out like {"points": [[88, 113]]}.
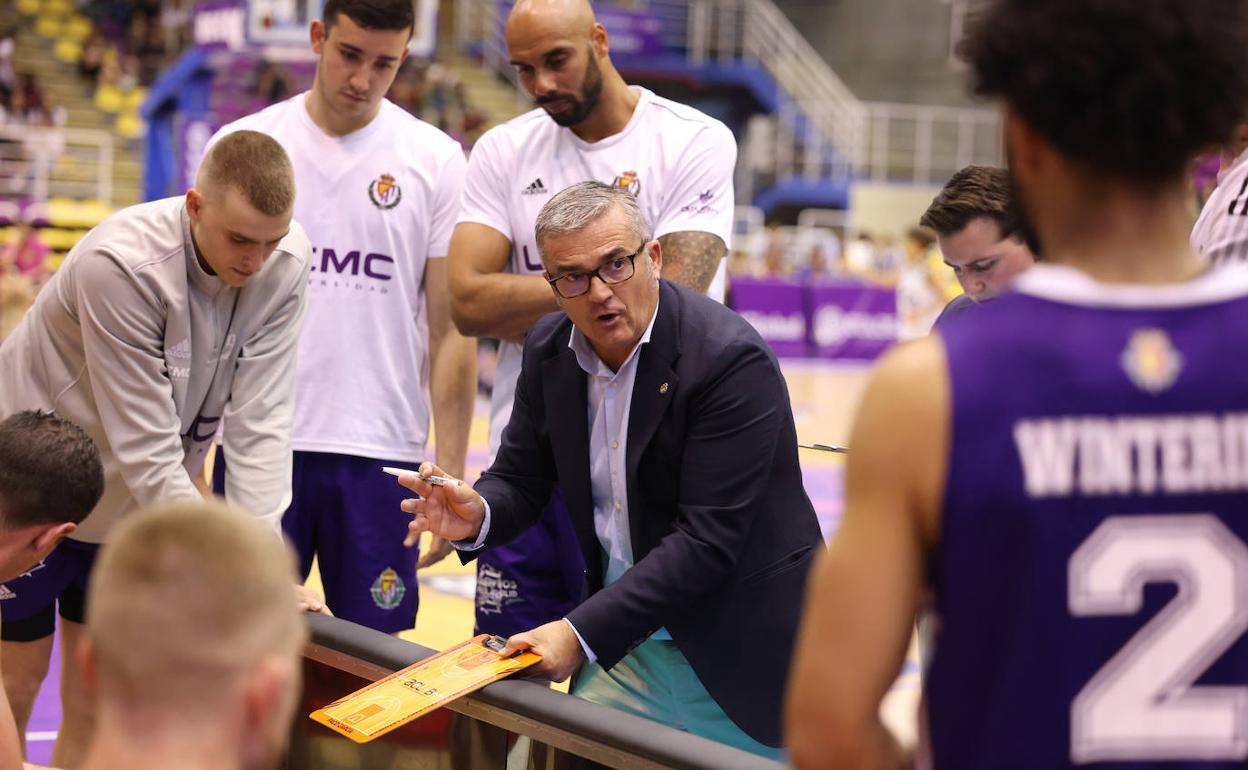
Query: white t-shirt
{"points": [[678, 161], [377, 204], [1221, 232]]}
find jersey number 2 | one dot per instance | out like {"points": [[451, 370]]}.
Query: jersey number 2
{"points": [[1142, 705]]}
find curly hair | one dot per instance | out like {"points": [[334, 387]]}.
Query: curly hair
{"points": [[1128, 89]]}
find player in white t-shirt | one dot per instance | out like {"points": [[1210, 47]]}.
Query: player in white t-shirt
{"points": [[591, 125], [1221, 232], [379, 191]]}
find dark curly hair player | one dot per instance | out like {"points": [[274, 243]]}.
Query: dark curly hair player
{"points": [[1061, 479]]}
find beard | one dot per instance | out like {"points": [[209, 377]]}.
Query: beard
{"points": [[580, 109]]}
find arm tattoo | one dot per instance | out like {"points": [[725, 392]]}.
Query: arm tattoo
{"points": [[691, 258]]}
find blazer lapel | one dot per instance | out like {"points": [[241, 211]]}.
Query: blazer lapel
{"points": [[567, 419], [653, 391]]}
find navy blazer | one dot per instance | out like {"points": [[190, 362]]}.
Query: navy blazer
{"points": [[723, 533]]}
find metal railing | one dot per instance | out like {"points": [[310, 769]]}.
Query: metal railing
{"points": [[38, 163], [926, 144], [522, 708], [820, 121]]}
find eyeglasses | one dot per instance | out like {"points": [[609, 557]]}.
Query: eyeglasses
{"points": [[614, 271]]}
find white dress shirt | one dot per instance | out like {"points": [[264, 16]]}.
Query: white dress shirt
{"points": [[610, 398]]}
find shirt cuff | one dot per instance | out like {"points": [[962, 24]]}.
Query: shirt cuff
{"points": [[464, 545], [589, 654]]}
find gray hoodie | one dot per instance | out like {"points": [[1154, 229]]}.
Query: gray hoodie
{"points": [[136, 343]]}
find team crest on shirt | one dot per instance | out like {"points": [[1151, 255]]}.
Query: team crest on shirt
{"points": [[384, 192], [628, 181], [388, 589], [1151, 360]]}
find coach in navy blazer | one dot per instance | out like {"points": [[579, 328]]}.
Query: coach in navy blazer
{"points": [[722, 531]]}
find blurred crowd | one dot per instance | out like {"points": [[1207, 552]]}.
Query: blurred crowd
{"points": [[23, 270], [132, 40], [30, 121], [811, 253]]}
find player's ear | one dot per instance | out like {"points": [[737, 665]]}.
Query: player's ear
{"points": [[194, 200], [317, 35], [47, 537], [269, 695], [599, 41]]}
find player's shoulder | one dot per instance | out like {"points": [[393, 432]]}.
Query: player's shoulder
{"points": [[547, 339], [718, 332], [681, 117], [401, 128], [143, 241], [520, 130], [136, 234]]}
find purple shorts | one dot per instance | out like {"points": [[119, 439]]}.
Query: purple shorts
{"points": [[345, 511], [535, 579], [29, 602]]}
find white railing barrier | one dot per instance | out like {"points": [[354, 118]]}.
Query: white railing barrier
{"points": [[40, 162], [926, 144]]}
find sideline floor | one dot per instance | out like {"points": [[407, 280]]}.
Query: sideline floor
{"points": [[824, 398]]}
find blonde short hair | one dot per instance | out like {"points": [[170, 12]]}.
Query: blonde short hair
{"points": [[256, 166], [187, 598]]}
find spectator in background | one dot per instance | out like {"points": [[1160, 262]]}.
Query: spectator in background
{"points": [[864, 259], [8, 78], [28, 84], [26, 254], [150, 51], [820, 252], [175, 22], [860, 255], [408, 90], [774, 257], [16, 295], [94, 50], [15, 112], [919, 295], [271, 82]]}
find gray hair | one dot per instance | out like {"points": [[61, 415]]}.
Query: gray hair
{"points": [[580, 205]]}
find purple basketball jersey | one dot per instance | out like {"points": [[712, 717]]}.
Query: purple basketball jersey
{"points": [[537, 578], [1092, 574]]}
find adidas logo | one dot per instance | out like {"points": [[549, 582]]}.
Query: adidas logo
{"points": [[180, 350], [6, 593], [536, 188]]}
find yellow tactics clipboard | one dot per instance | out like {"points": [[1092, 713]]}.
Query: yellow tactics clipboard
{"points": [[426, 685]]}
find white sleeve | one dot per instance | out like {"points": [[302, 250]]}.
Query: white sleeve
{"points": [[483, 198], [476, 545], [1225, 233], [446, 204], [123, 345], [700, 197], [260, 415]]}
